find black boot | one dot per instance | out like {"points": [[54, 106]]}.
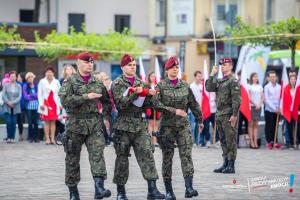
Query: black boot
{"points": [[74, 194], [189, 190], [121, 192], [100, 191], [169, 191], [225, 163], [153, 192], [230, 168]]}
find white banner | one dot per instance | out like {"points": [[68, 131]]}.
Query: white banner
{"points": [[255, 60]]}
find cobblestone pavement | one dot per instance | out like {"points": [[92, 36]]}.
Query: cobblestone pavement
{"points": [[36, 171]]}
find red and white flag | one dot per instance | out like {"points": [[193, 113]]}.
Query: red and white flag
{"points": [[245, 104], [157, 71], [142, 70], [285, 96], [296, 101], [205, 95]]}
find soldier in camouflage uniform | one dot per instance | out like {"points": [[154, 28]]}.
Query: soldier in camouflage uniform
{"points": [[130, 129], [228, 104], [173, 101], [80, 95]]}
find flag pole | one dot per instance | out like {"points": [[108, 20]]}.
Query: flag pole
{"points": [[295, 132], [215, 130], [276, 129]]}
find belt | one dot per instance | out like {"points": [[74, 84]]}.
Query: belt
{"points": [[130, 114], [84, 115]]}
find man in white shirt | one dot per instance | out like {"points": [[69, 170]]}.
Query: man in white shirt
{"points": [[196, 87], [211, 119], [272, 102]]}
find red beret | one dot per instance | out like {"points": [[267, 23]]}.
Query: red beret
{"points": [[126, 59], [225, 60], [85, 56], [172, 61]]}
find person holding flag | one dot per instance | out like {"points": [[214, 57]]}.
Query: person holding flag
{"points": [[287, 109], [296, 110], [228, 94], [196, 87], [272, 93], [131, 96], [209, 109]]}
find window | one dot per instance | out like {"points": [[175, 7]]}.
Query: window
{"points": [[122, 22], [76, 21], [269, 10], [160, 12], [26, 15]]}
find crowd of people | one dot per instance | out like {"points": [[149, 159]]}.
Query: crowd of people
{"points": [[23, 99]]}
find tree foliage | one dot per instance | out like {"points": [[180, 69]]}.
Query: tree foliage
{"points": [[110, 46], [10, 35], [276, 34]]}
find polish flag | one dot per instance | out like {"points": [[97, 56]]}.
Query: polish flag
{"points": [[245, 104], [296, 100], [157, 71], [205, 95], [142, 70], [180, 71], [285, 96]]}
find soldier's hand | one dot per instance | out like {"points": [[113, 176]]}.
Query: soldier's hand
{"points": [[42, 107], [107, 125], [152, 92], [138, 90], [233, 120], [94, 95], [201, 126], [214, 70], [181, 113]]}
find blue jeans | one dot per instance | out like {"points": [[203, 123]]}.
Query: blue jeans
{"points": [[205, 133], [194, 126], [11, 121], [32, 118]]}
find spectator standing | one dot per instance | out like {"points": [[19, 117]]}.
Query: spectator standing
{"points": [[271, 99], [256, 95], [30, 92], [49, 103], [12, 94]]}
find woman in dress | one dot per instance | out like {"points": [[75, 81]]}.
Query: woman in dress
{"points": [[49, 103]]}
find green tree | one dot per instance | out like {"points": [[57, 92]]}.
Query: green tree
{"points": [[111, 46], [285, 32], [10, 37]]}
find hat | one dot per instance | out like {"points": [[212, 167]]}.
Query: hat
{"points": [[85, 56], [225, 60], [172, 61], [126, 59]]}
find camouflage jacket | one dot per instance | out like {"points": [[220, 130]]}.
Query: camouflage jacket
{"points": [[228, 94], [73, 95], [129, 116], [172, 97]]}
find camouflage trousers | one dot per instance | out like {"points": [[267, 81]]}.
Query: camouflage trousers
{"points": [[95, 144], [227, 135], [183, 138], [143, 150]]}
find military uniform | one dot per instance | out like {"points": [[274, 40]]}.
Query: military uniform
{"points": [[83, 125], [228, 104], [130, 130], [176, 129]]}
